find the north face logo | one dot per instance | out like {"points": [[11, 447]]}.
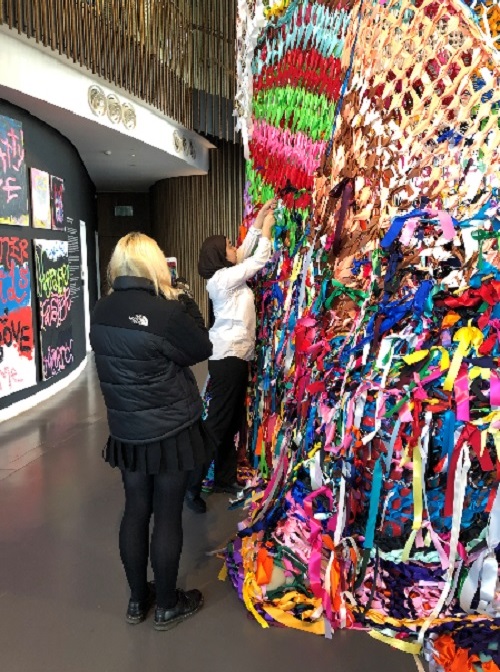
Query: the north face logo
{"points": [[139, 319]]}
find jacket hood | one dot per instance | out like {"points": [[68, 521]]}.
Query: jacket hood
{"points": [[123, 282]]}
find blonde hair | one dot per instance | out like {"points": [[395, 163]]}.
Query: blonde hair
{"points": [[139, 255]]}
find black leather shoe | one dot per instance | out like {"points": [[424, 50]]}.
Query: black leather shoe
{"points": [[139, 609], [188, 603], [229, 488], [196, 503]]}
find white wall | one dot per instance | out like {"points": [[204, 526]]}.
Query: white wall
{"points": [[43, 74]]}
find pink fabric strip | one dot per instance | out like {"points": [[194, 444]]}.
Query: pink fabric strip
{"points": [[494, 388], [445, 221], [461, 388], [308, 501], [314, 569], [408, 230], [315, 539], [437, 373], [350, 419], [296, 148]]}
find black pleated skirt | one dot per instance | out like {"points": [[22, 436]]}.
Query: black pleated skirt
{"points": [[187, 450]]}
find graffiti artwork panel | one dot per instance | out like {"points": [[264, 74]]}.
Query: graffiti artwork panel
{"points": [[17, 361], [13, 178], [57, 202], [41, 214], [54, 306]]}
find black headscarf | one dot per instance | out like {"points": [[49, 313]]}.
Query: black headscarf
{"points": [[213, 256]]}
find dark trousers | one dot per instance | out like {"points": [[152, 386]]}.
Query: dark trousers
{"points": [[226, 409]]}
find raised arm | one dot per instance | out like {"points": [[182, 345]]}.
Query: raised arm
{"points": [[248, 245], [255, 231], [268, 207], [236, 275]]}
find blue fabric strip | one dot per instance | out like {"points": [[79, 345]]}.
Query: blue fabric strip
{"points": [[374, 503]]}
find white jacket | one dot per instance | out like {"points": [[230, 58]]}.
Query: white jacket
{"points": [[233, 332]]}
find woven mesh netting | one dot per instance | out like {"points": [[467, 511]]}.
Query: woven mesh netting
{"points": [[373, 411], [419, 119]]}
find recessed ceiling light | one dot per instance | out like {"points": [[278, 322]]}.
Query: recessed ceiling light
{"points": [[107, 152]]}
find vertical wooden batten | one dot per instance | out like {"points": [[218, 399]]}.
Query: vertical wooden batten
{"points": [[185, 210], [142, 46], [175, 55]]}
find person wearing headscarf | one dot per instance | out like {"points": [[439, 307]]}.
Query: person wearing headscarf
{"points": [[232, 333]]}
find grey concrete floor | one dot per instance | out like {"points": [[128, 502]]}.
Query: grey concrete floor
{"points": [[62, 590]]}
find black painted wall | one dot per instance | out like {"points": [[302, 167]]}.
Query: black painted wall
{"points": [[46, 149]]}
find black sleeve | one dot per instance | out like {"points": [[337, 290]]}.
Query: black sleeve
{"points": [[192, 309], [186, 340]]}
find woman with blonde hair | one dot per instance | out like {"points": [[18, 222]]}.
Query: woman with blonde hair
{"points": [[145, 335]]}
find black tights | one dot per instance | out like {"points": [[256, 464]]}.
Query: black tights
{"points": [[163, 496]]}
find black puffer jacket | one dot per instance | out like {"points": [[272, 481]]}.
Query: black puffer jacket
{"points": [[144, 345]]}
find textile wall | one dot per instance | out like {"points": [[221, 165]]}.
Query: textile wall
{"points": [[374, 409], [45, 192]]}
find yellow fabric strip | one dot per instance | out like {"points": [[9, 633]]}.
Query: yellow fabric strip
{"points": [[292, 598], [418, 663], [407, 647], [417, 488], [405, 458], [453, 371], [382, 619], [477, 371], [317, 627], [445, 357], [466, 337], [247, 599], [408, 546], [417, 502], [415, 357], [277, 9]]}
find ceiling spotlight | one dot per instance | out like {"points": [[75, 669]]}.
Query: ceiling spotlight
{"points": [[133, 156], [107, 152]]}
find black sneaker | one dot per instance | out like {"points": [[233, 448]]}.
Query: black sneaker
{"points": [[139, 609], [229, 488], [196, 503], [188, 603]]}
